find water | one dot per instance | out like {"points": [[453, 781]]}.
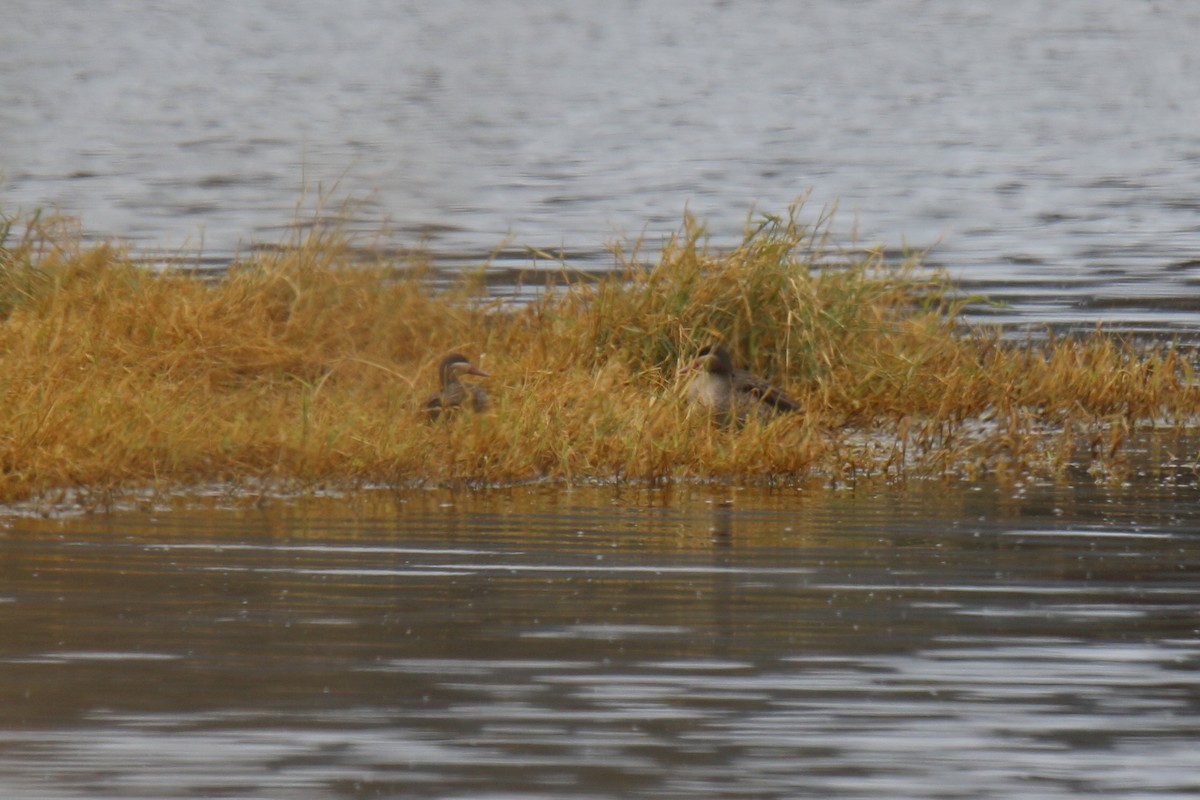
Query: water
{"points": [[1038, 641], [986, 641], [1051, 152]]}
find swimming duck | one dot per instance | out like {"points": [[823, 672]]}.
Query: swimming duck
{"points": [[732, 394], [454, 393]]}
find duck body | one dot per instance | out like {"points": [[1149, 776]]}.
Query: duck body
{"points": [[733, 395], [454, 393]]}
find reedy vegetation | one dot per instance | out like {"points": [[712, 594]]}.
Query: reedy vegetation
{"points": [[305, 367]]}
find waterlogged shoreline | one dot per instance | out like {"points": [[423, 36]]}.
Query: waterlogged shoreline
{"points": [[304, 368], [1161, 460]]}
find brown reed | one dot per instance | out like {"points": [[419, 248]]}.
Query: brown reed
{"points": [[305, 367]]}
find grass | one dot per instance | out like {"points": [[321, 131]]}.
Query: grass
{"points": [[305, 367]]}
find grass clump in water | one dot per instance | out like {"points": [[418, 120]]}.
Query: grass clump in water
{"points": [[305, 367]]}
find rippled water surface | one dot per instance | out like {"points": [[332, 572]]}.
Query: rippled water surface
{"points": [[978, 641], [990, 642], [1051, 151]]}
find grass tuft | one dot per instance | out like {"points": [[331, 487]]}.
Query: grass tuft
{"points": [[305, 366]]}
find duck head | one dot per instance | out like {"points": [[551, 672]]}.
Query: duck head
{"points": [[711, 358], [455, 365]]}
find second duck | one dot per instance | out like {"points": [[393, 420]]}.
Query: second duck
{"points": [[732, 395]]}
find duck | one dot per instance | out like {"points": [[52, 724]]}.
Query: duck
{"points": [[454, 393], [732, 394]]}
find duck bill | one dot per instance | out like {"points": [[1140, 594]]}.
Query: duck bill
{"points": [[473, 370]]}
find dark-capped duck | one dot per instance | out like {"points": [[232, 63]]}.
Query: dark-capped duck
{"points": [[732, 394], [454, 393]]}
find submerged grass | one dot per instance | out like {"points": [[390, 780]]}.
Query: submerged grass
{"points": [[300, 369]]}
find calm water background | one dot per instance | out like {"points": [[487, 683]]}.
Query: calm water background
{"points": [[1052, 149], [987, 641], [1033, 641]]}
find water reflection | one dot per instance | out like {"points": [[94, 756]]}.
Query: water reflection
{"points": [[607, 642]]}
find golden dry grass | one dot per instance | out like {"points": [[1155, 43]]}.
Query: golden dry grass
{"points": [[302, 369]]}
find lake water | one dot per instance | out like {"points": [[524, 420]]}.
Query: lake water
{"points": [[1034, 641], [915, 641], [1051, 151]]}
